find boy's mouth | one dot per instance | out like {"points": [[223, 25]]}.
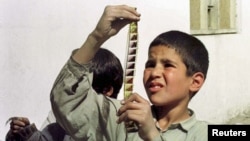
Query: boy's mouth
{"points": [[154, 87]]}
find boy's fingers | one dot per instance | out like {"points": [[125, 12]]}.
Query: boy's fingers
{"points": [[20, 121], [123, 12], [136, 98], [25, 120], [127, 106], [16, 128]]}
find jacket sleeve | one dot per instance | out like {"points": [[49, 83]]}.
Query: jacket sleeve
{"points": [[52, 132], [77, 107], [50, 119]]}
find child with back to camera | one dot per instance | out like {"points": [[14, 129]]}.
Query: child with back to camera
{"points": [[108, 80]]}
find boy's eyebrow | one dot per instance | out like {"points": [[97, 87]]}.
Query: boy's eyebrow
{"points": [[150, 60], [166, 61]]}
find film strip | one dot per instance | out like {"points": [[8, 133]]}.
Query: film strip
{"points": [[132, 46]]}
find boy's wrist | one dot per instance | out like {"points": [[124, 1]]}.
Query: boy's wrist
{"points": [[153, 135], [97, 37]]}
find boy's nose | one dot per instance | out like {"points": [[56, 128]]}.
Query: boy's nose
{"points": [[156, 72]]}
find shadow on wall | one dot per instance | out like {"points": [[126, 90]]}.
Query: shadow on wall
{"points": [[240, 116]]}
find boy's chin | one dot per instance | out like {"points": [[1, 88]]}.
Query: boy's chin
{"points": [[155, 100]]}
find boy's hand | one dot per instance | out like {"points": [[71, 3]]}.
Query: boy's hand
{"points": [[18, 123], [113, 19], [138, 109]]}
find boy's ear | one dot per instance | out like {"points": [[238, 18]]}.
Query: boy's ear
{"points": [[197, 82], [108, 92]]}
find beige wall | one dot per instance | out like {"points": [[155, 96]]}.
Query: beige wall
{"points": [[37, 37]]}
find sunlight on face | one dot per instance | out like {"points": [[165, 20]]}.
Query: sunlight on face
{"points": [[165, 79]]}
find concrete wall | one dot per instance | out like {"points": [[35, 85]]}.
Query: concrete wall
{"points": [[37, 37]]}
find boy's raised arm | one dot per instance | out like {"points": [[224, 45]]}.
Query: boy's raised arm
{"points": [[77, 107]]}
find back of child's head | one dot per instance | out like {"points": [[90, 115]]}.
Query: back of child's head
{"points": [[108, 72], [191, 50]]}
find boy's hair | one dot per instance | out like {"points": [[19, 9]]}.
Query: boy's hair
{"points": [[107, 71], [191, 50]]}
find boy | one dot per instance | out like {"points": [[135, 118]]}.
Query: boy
{"points": [[108, 80], [175, 71]]}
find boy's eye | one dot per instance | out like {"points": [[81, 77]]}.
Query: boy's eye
{"points": [[150, 64], [166, 65]]}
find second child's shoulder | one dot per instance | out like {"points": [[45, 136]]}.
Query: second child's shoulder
{"points": [[115, 102]]}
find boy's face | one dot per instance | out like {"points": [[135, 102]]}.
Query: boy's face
{"points": [[165, 79]]}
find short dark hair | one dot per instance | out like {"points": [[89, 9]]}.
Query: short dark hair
{"points": [[191, 50], [108, 71]]}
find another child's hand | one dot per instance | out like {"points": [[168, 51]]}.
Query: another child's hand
{"points": [[18, 123], [138, 109]]}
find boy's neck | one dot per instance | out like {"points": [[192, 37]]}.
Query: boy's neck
{"points": [[165, 117]]}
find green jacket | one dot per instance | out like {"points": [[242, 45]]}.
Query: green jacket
{"points": [[86, 115]]}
